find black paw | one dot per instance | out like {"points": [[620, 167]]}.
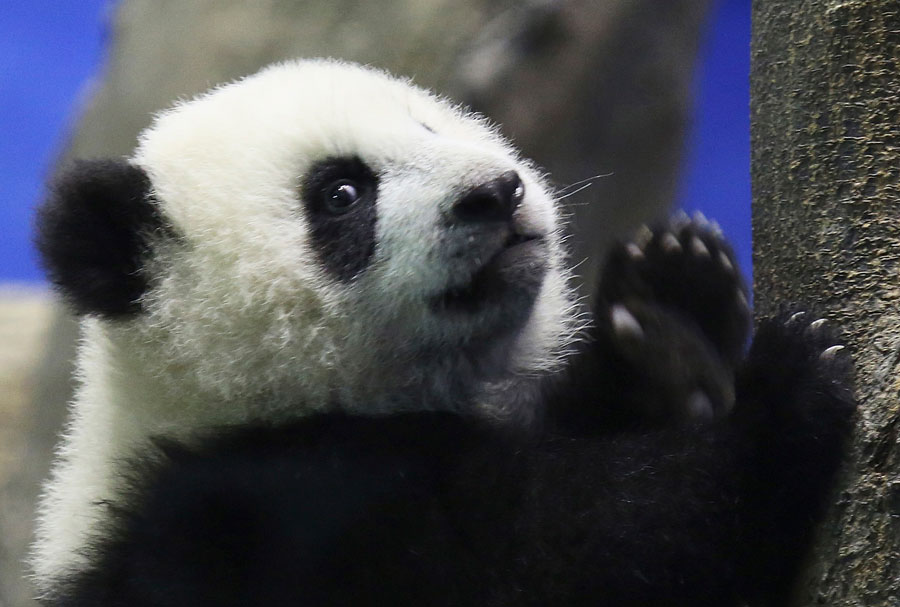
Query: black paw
{"points": [[673, 372], [687, 268], [787, 437], [799, 372]]}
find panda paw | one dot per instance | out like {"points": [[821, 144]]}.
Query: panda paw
{"points": [[799, 372], [687, 268], [675, 375]]}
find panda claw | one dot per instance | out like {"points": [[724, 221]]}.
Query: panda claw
{"points": [[680, 219], [670, 244], [634, 251], [830, 353], [698, 248], [725, 262], [700, 219], [624, 323], [699, 406], [643, 236], [817, 324], [796, 317], [715, 228], [742, 300]]}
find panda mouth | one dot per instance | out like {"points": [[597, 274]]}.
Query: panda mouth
{"points": [[517, 267]]}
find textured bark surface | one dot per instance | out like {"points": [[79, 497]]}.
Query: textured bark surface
{"points": [[585, 87], [825, 91]]}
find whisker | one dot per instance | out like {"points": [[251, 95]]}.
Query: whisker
{"points": [[579, 264], [586, 179], [572, 193]]}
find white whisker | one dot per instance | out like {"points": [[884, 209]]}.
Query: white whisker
{"points": [[584, 187], [563, 189]]}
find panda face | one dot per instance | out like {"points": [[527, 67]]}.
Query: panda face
{"points": [[333, 233], [481, 263]]}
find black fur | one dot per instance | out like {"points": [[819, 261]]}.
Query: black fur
{"points": [[435, 509], [612, 504], [652, 378], [92, 233], [345, 237]]}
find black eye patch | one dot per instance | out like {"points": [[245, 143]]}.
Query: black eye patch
{"points": [[339, 197]]}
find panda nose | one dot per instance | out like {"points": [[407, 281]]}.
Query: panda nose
{"points": [[494, 200]]}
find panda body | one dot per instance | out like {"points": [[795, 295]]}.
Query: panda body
{"points": [[329, 358]]}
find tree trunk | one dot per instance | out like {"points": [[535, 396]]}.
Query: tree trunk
{"points": [[825, 90]]}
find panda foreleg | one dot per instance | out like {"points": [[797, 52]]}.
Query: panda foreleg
{"points": [[708, 514], [794, 412]]}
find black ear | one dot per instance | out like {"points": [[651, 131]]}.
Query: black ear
{"points": [[92, 235]]}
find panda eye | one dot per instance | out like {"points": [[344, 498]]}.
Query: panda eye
{"points": [[339, 201], [341, 196], [339, 187]]}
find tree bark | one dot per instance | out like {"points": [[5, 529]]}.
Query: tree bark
{"points": [[825, 91]]}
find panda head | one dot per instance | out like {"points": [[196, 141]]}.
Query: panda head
{"points": [[318, 234]]}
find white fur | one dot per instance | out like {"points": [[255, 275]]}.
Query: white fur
{"points": [[241, 323]]}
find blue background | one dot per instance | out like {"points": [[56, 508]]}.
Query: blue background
{"points": [[50, 48], [716, 178]]}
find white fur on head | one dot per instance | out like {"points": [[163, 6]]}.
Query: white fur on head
{"points": [[241, 306], [242, 322]]}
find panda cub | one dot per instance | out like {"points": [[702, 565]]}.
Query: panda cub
{"points": [[331, 356]]}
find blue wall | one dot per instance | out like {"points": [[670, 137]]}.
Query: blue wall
{"points": [[49, 48], [716, 180]]}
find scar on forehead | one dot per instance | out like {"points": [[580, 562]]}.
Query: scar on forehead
{"points": [[417, 121]]}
